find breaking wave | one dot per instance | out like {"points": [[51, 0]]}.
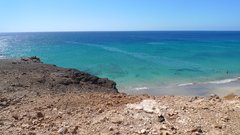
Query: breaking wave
{"points": [[212, 82]]}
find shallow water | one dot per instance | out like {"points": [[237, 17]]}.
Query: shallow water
{"points": [[178, 63]]}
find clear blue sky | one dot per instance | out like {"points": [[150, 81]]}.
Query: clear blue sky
{"points": [[118, 15]]}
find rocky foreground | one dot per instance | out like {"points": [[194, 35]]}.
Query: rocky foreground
{"points": [[40, 99]]}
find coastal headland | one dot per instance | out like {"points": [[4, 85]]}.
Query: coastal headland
{"points": [[43, 99]]}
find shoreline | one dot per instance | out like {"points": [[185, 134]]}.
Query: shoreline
{"points": [[42, 99], [221, 87], [187, 89]]}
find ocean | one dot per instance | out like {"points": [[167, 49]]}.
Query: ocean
{"points": [[154, 62]]}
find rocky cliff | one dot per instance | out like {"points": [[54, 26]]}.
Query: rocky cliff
{"points": [[31, 73]]}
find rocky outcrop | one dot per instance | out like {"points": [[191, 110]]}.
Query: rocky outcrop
{"points": [[32, 59], [31, 73]]}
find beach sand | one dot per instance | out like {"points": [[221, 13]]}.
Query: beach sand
{"points": [[40, 99]]}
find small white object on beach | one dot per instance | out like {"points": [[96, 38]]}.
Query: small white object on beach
{"points": [[62, 130], [148, 105]]}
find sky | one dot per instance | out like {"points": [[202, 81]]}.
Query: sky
{"points": [[118, 15]]}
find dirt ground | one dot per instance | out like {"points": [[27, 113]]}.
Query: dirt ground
{"points": [[110, 114]]}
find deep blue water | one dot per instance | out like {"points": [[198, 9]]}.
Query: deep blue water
{"points": [[152, 62]]}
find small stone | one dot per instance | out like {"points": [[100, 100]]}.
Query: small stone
{"points": [[32, 128], [15, 117], [62, 130], [205, 108], [184, 108], [40, 115], [100, 111], [193, 99], [143, 131], [69, 113], [212, 96], [154, 131], [198, 130], [225, 119], [25, 125], [31, 133], [161, 118], [172, 113], [74, 131], [4, 103], [163, 127], [117, 120], [164, 133], [111, 129], [218, 126], [34, 122]]}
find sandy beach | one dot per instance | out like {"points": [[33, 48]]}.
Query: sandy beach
{"points": [[43, 99]]}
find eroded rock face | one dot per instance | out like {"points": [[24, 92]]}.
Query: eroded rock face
{"points": [[30, 73], [78, 76]]}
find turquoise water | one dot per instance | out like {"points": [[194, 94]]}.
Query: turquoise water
{"points": [[148, 62]]}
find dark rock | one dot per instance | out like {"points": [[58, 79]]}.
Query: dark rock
{"points": [[35, 59], [197, 130], [39, 115], [193, 99], [74, 130], [214, 96], [15, 117], [218, 126], [31, 133], [31, 73], [85, 77], [161, 118]]}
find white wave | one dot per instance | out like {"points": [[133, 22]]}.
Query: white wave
{"points": [[212, 82], [2, 57], [141, 88], [225, 81], [185, 84]]}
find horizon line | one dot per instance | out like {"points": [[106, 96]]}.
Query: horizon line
{"points": [[123, 31]]}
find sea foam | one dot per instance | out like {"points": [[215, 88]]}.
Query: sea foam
{"points": [[141, 88], [212, 82]]}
